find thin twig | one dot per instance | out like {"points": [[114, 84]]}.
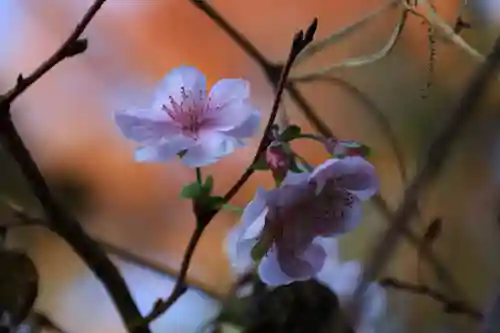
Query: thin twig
{"points": [[358, 61], [449, 305], [436, 156], [372, 108], [63, 223], [300, 41], [72, 46], [180, 287], [340, 34]]}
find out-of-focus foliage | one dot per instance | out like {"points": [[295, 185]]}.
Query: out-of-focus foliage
{"points": [[18, 288], [306, 306]]}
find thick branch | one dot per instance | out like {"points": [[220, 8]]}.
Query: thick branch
{"points": [[63, 223], [436, 156]]}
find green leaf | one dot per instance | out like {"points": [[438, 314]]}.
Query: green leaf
{"points": [[192, 191], [209, 184], [260, 164], [290, 133]]}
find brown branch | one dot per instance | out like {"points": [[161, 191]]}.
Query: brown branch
{"points": [[71, 47], [63, 223], [436, 156], [203, 217], [449, 305]]}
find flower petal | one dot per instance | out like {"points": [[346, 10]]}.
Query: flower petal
{"points": [[291, 193], [375, 303], [341, 278], [243, 237], [144, 125], [183, 77], [226, 117], [247, 128], [305, 266], [228, 105], [270, 271], [163, 151], [331, 246], [355, 174], [210, 148], [253, 218], [335, 218], [227, 91], [293, 178]]}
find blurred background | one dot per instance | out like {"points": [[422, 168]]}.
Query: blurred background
{"points": [[66, 120]]}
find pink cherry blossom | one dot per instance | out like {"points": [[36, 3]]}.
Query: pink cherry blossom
{"points": [[184, 119], [342, 279], [284, 223]]}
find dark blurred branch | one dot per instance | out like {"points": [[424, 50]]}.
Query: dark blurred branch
{"points": [[203, 214], [437, 153], [372, 109], [449, 305], [62, 222], [22, 218], [272, 73]]}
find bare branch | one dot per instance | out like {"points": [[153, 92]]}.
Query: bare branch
{"points": [[436, 156], [63, 223], [71, 47], [449, 305]]}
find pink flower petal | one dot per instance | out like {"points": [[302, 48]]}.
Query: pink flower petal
{"points": [[227, 91], [270, 271], [341, 278], [144, 126], [163, 151], [183, 77], [291, 192], [248, 128], [355, 174], [228, 105], [210, 148], [243, 237], [227, 117], [305, 266]]}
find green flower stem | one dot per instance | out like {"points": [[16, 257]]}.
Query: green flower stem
{"points": [[199, 177]]}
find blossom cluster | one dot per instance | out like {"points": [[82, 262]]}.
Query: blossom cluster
{"points": [[286, 233]]}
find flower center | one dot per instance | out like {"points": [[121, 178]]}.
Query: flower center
{"points": [[190, 113]]}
